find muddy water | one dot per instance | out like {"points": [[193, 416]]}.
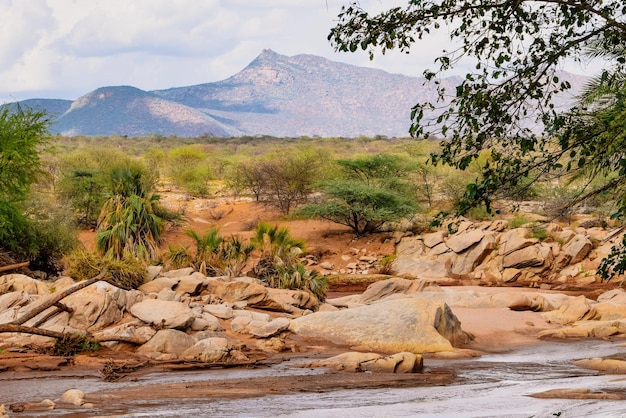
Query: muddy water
{"points": [[490, 386]]}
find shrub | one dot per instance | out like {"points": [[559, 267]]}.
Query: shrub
{"points": [[128, 223], [70, 345], [298, 277], [539, 231], [129, 272], [517, 221], [279, 265]]}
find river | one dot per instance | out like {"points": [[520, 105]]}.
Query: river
{"points": [[496, 385]]}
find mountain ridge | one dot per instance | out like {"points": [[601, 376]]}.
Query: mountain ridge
{"points": [[275, 95]]}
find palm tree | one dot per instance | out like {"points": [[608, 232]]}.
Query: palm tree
{"points": [[128, 224]]}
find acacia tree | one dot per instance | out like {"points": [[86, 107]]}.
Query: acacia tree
{"points": [[518, 47], [373, 191]]}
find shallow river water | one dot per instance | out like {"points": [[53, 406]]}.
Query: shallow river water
{"points": [[490, 386]]}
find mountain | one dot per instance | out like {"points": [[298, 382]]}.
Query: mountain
{"points": [[303, 95]]}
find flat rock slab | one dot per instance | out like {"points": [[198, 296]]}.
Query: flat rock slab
{"points": [[411, 325]]}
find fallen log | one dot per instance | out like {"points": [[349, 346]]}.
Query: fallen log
{"points": [[18, 324], [14, 266], [62, 295]]}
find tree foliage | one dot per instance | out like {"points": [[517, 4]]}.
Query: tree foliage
{"points": [[23, 133], [517, 47], [507, 103]]}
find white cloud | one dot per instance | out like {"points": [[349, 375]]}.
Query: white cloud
{"points": [[66, 48]]}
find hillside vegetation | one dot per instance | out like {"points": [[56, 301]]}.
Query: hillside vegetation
{"points": [[112, 185]]}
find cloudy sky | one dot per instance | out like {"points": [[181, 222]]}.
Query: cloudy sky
{"points": [[67, 48]]}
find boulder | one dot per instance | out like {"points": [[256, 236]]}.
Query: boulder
{"points": [[13, 301], [206, 322], [74, 397], [466, 262], [23, 283], [222, 310], [434, 238], [261, 297], [607, 365], [460, 242], [269, 329], [383, 288], [153, 272], [617, 296], [192, 285], [62, 283], [409, 324], [163, 314], [167, 344], [158, 284], [577, 248], [422, 267], [135, 330], [97, 306], [178, 273], [515, 240], [571, 311], [529, 256], [208, 350]]}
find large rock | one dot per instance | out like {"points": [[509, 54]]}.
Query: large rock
{"points": [[571, 311], [22, 283], [163, 314], [133, 330], [410, 324], [13, 301], [167, 344], [434, 238], [422, 267], [515, 240], [268, 329], [74, 397], [578, 248], [208, 350], [607, 365], [530, 256], [159, 284], [96, 306], [372, 362], [261, 297], [383, 288], [466, 262], [461, 242]]}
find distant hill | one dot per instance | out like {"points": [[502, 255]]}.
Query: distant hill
{"points": [[275, 95]]}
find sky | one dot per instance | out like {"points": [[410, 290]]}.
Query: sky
{"points": [[66, 48]]}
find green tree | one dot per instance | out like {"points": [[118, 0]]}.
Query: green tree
{"points": [[23, 134], [128, 223], [282, 181], [85, 190], [517, 48], [359, 206]]}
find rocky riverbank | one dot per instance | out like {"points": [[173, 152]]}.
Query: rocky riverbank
{"points": [[182, 320]]}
